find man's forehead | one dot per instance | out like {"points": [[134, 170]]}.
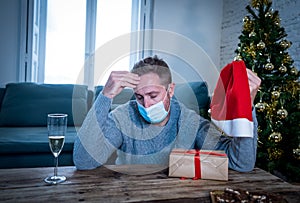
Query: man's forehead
{"points": [[149, 88]]}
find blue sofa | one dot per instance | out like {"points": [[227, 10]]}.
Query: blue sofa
{"points": [[23, 116]]}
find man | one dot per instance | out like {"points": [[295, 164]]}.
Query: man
{"points": [[145, 130]]}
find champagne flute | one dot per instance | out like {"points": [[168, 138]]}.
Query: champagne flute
{"points": [[57, 127]]}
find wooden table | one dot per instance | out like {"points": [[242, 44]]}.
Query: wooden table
{"points": [[106, 185]]}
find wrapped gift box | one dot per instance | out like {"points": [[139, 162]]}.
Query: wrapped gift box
{"points": [[204, 164]]}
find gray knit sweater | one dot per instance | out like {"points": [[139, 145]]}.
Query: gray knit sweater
{"points": [[138, 142]]}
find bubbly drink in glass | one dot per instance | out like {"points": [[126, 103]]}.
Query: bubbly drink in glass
{"points": [[56, 144], [57, 127]]}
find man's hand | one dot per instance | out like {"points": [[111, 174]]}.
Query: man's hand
{"points": [[254, 84], [117, 81]]}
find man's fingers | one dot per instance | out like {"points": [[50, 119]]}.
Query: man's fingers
{"points": [[254, 84], [253, 78], [118, 80], [124, 78], [130, 80]]}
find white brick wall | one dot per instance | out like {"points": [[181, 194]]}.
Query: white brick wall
{"points": [[233, 13]]}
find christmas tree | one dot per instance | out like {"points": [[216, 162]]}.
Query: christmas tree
{"points": [[264, 48]]}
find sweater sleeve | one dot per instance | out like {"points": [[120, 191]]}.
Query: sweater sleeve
{"points": [[241, 151], [97, 138]]}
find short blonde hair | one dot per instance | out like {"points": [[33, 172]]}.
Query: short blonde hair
{"points": [[154, 65]]}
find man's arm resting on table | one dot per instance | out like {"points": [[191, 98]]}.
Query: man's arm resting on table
{"points": [[241, 151]]}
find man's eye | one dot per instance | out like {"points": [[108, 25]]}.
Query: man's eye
{"points": [[139, 97], [153, 96]]}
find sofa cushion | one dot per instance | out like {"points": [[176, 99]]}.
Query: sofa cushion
{"points": [[27, 104], [125, 95], [193, 95], [31, 160], [18, 140]]}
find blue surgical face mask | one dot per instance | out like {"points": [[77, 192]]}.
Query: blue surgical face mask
{"points": [[155, 113]]}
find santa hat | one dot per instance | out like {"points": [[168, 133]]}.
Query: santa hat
{"points": [[231, 108]]}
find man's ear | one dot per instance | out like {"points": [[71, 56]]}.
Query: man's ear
{"points": [[171, 89]]}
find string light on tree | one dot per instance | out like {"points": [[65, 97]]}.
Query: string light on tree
{"points": [[268, 14]]}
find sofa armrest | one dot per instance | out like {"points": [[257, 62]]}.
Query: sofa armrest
{"points": [[2, 92]]}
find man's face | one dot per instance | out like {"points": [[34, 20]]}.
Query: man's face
{"points": [[149, 91]]}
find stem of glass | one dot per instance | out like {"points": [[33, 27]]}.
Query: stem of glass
{"points": [[56, 164]]}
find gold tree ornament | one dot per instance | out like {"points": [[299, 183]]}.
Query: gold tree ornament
{"points": [[238, 57], [287, 59], [296, 153], [282, 68], [275, 95], [282, 113], [269, 66], [285, 44], [277, 20], [294, 71], [260, 106], [261, 45], [275, 137], [252, 34]]}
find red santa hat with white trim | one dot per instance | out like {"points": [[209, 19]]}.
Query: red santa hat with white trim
{"points": [[231, 108]]}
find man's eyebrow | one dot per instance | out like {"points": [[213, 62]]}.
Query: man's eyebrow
{"points": [[148, 93]]}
